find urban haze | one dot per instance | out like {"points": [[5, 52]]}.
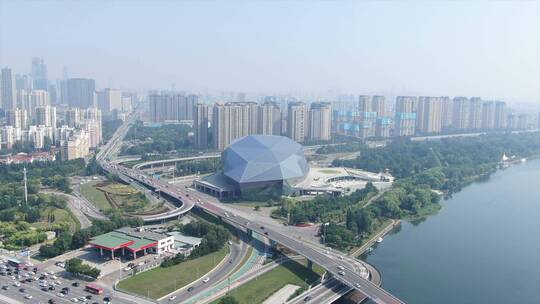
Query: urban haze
{"points": [[269, 152]]}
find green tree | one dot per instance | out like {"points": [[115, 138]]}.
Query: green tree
{"points": [[228, 300]]}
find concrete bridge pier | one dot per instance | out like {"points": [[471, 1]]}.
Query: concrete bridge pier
{"points": [[310, 264], [249, 233], [273, 244]]}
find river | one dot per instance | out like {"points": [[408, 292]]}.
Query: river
{"points": [[482, 247]]}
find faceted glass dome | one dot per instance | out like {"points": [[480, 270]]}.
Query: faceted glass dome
{"points": [[259, 158]]}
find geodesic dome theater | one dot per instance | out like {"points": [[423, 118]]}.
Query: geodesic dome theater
{"points": [[264, 164]]}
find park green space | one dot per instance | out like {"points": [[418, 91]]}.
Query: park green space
{"points": [[159, 281], [91, 193], [259, 289], [58, 216], [121, 196]]}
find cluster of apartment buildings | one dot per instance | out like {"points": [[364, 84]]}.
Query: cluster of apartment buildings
{"points": [[71, 121], [216, 126], [74, 134], [412, 115]]}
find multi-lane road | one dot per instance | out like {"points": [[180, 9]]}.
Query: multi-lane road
{"points": [[190, 198]]}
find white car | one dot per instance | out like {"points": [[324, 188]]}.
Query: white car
{"points": [[61, 295], [206, 280], [171, 298], [74, 300], [342, 273], [17, 284]]}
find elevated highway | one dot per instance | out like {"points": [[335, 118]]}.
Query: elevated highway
{"points": [[332, 262], [172, 161]]}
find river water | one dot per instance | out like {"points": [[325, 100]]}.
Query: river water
{"points": [[482, 247]]}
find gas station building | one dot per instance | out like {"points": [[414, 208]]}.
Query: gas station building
{"points": [[132, 241]]}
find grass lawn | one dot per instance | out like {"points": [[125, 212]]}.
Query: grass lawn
{"points": [[119, 189], [252, 203], [60, 215], [159, 282], [259, 289], [89, 191]]}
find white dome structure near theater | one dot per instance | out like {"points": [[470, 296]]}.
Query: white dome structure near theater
{"points": [[258, 162]]}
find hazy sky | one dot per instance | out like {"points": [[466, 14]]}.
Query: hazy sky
{"points": [[485, 48]]}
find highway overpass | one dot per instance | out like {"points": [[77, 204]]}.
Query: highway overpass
{"points": [[333, 265]]}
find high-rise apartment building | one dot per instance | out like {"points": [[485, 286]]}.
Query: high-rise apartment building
{"points": [[7, 85], [168, 106], [36, 98], [39, 74], [37, 135], [80, 92], [127, 103], [7, 136], [523, 122], [200, 125], [475, 113], [447, 112], [91, 123], [365, 118], [320, 121], [460, 117], [488, 115], [231, 121], [191, 100], [269, 118], [53, 95], [383, 127], [430, 114], [77, 146], [46, 116], [17, 118], [23, 82], [248, 117], [500, 115], [405, 116], [512, 121], [378, 105], [109, 100], [297, 121], [364, 103], [72, 117]]}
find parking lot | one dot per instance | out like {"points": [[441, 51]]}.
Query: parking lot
{"points": [[27, 286]]}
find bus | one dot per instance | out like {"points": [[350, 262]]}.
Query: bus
{"points": [[92, 288], [15, 263]]}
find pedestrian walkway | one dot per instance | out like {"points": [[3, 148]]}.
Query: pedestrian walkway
{"points": [[255, 261]]}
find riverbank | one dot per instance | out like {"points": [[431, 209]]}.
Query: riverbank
{"points": [[459, 248]]}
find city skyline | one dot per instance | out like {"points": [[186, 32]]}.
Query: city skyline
{"points": [[469, 49]]}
